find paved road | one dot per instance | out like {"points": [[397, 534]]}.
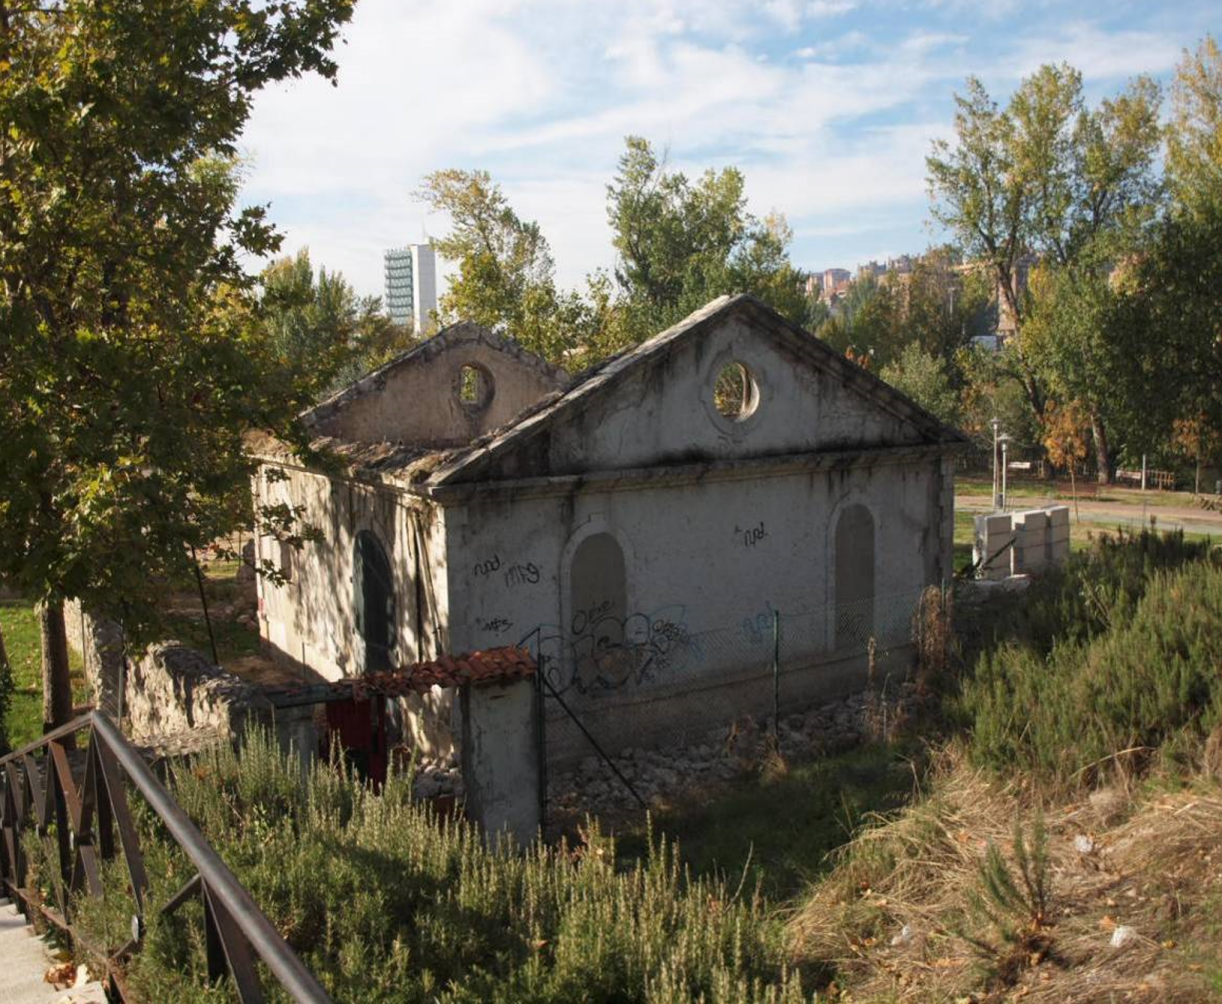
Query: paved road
{"points": [[24, 961], [1188, 518]]}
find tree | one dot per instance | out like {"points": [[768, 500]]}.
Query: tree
{"points": [[1047, 177], [1194, 437], [506, 275], [130, 360], [923, 378], [868, 322], [1065, 441], [318, 326], [1071, 341], [942, 308], [1194, 143], [680, 244]]}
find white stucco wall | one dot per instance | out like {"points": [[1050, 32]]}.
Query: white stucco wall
{"points": [[706, 564], [311, 619], [663, 411]]}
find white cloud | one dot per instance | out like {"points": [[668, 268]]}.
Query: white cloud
{"points": [[830, 8], [542, 92]]}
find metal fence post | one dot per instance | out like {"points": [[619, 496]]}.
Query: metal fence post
{"points": [[776, 673]]}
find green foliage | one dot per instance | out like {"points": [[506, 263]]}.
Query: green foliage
{"points": [[868, 322], [7, 685], [319, 327], [130, 360], [1194, 142], [1115, 658], [506, 274], [680, 243], [384, 902], [1046, 176], [923, 378]]}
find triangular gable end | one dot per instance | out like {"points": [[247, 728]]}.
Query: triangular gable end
{"points": [[657, 405], [450, 389]]}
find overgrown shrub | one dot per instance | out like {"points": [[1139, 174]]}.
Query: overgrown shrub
{"points": [[1097, 587], [385, 902], [1145, 674]]}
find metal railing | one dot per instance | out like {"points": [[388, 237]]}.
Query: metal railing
{"points": [[76, 814]]}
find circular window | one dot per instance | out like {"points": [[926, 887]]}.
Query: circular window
{"points": [[474, 387], [735, 392]]}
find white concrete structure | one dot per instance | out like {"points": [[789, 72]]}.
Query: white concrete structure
{"points": [[1021, 543], [727, 467], [411, 285]]}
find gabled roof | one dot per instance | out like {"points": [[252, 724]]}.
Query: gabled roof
{"points": [[466, 464], [462, 333]]}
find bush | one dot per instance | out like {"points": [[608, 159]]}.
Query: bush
{"points": [[383, 901], [1144, 672]]}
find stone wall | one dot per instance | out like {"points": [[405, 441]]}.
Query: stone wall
{"points": [[100, 644], [173, 689]]}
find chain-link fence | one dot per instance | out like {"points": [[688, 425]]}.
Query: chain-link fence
{"points": [[647, 680]]}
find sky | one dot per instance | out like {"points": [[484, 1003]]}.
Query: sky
{"points": [[827, 106]]}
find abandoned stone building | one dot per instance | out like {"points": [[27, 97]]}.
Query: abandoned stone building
{"points": [[617, 523]]}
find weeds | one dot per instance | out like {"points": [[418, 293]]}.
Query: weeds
{"points": [[1012, 901], [1104, 704], [385, 902]]}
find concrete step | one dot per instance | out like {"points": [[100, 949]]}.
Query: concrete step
{"points": [[24, 961]]}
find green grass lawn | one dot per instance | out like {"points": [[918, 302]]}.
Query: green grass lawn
{"points": [[20, 624], [780, 829]]}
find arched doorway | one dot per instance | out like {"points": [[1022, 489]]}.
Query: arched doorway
{"points": [[853, 588], [375, 602], [360, 726], [598, 608]]}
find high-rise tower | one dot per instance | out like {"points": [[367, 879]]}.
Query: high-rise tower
{"points": [[411, 285]]}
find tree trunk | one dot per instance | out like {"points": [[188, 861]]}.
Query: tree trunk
{"points": [[6, 681], [56, 677], [1102, 454]]}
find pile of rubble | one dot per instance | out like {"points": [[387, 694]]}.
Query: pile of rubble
{"points": [[721, 755], [438, 777]]}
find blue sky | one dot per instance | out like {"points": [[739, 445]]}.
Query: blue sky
{"points": [[828, 107]]}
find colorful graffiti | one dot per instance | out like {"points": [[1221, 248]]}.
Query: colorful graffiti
{"points": [[603, 652]]}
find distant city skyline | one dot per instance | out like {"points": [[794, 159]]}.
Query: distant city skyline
{"points": [[828, 107]]}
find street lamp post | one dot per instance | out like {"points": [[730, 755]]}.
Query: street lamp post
{"points": [[996, 423], [1005, 445]]}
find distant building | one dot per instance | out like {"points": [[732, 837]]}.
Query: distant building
{"points": [[411, 285], [828, 283]]}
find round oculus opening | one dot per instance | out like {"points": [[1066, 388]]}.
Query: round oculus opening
{"points": [[474, 387], [735, 392]]}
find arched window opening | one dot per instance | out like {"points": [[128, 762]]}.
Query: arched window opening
{"points": [[854, 582], [375, 602], [474, 387], [598, 609], [735, 392]]}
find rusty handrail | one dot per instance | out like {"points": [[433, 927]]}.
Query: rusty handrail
{"points": [[86, 818]]}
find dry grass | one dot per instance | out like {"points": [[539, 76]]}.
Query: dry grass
{"points": [[895, 918]]}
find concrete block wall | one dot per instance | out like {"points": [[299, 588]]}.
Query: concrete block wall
{"points": [[1057, 542], [1040, 540], [1030, 531], [989, 551]]}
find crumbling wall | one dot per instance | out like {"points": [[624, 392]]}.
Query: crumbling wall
{"points": [[100, 644], [173, 688]]}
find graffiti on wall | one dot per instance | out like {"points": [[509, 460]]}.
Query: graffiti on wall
{"points": [[604, 652], [752, 535], [758, 628]]}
